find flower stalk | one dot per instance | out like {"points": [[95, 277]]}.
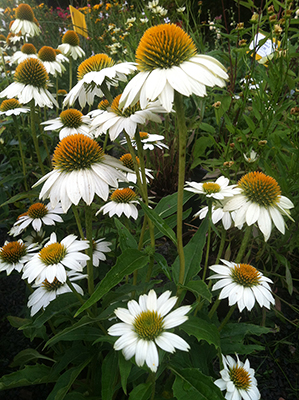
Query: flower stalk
{"points": [[182, 131]]}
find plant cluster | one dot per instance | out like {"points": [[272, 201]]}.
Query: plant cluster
{"points": [[141, 195]]}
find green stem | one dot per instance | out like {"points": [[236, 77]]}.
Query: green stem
{"points": [[226, 319], [78, 221], [34, 136], [182, 130], [21, 151], [135, 163], [214, 308], [246, 237], [88, 225], [78, 295], [105, 142], [208, 241], [42, 135], [145, 199], [221, 246]]}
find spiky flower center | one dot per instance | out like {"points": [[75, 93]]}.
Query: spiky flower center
{"points": [[240, 377], [24, 12], [71, 118], [143, 135], [52, 254], [260, 188], [103, 105], [148, 325], [211, 187], [51, 287], [28, 48], [94, 63], [47, 53], [76, 152], [71, 38], [32, 72], [245, 275], [164, 46], [124, 113], [37, 210], [125, 195], [12, 252], [9, 104], [127, 161]]}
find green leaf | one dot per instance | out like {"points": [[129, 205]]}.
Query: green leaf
{"points": [[66, 380], [109, 375], [159, 223], [168, 205], [250, 123], [199, 288], [202, 330], [126, 239], [201, 145], [129, 261], [191, 384], [30, 375], [233, 335], [124, 369], [27, 355], [207, 128], [141, 392], [78, 331], [193, 254]]}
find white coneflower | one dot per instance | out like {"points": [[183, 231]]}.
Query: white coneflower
{"points": [[92, 74], [37, 215], [167, 60], [81, 170], [122, 202], [218, 190], [242, 284], [238, 380], [144, 327], [25, 21], [47, 292], [48, 56], [260, 201], [14, 255], [116, 119], [27, 51], [69, 122], [30, 83], [70, 45], [55, 258], [12, 107]]}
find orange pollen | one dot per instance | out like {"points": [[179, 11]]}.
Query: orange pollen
{"points": [[246, 275], [37, 210], [211, 187], [164, 46], [143, 135], [71, 38], [125, 195], [77, 152], [50, 287], [260, 188], [9, 104], [94, 63], [127, 161], [28, 48], [12, 252], [240, 378], [52, 254]]}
